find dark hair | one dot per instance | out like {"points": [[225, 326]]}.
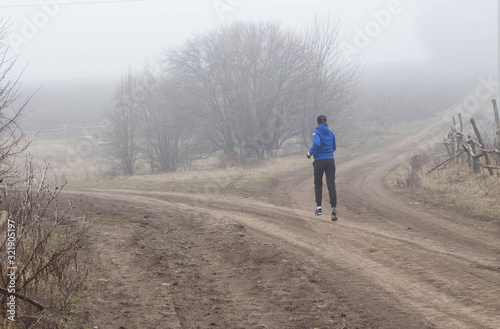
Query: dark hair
{"points": [[321, 119]]}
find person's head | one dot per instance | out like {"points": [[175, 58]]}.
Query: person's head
{"points": [[321, 119]]}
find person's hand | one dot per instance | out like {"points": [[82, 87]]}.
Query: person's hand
{"points": [[308, 155]]}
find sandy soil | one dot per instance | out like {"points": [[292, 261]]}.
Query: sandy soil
{"points": [[181, 260]]}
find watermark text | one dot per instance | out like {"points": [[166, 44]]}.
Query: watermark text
{"points": [[11, 269]]}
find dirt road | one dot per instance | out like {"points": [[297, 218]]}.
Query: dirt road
{"points": [[179, 260]]}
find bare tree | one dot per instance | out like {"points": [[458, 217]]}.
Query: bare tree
{"points": [[258, 83], [151, 121], [11, 108], [167, 135], [123, 117], [240, 73], [331, 78]]}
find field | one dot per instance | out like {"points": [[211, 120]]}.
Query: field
{"points": [[241, 248]]}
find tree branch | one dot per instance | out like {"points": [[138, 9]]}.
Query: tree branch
{"points": [[18, 295]]}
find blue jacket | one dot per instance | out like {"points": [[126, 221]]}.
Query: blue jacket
{"points": [[324, 143]]}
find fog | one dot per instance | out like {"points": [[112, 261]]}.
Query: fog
{"points": [[400, 43], [101, 39], [460, 35]]}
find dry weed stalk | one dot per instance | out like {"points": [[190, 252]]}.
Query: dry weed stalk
{"points": [[48, 266]]}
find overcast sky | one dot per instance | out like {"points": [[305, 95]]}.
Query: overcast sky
{"points": [[101, 38]]}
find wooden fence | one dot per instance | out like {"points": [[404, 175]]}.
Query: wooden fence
{"points": [[457, 144]]}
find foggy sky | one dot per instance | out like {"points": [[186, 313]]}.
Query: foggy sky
{"points": [[459, 33], [104, 39]]}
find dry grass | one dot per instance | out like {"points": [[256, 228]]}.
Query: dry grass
{"points": [[453, 186], [93, 169], [478, 192], [208, 180], [71, 159], [91, 173]]}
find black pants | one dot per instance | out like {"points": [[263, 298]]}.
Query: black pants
{"points": [[326, 166]]}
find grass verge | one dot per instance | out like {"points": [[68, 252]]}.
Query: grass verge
{"points": [[454, 186]]}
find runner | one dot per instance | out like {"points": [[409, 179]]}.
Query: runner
{"points": [[322, 150]]}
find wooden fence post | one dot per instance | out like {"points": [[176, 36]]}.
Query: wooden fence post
{"points": [[497, 121], [475, 163], [445, 142], [480, 140], [460, 135]]}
